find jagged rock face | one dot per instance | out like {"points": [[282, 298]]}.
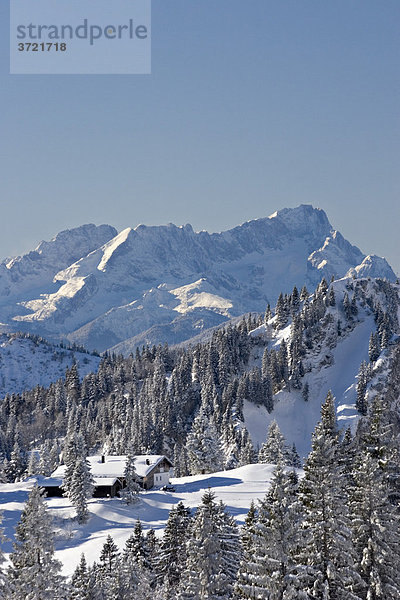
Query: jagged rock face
{"points": [[168, 283], [373, 266], [23, 274]]}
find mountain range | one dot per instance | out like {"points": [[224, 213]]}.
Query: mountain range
{"points": [[115, 291]]}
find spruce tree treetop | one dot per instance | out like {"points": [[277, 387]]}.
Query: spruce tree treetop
{"points": [[328, 415], [109, 554], [273, 449]]}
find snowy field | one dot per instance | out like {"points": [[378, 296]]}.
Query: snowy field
{"points": [[236, 488]]}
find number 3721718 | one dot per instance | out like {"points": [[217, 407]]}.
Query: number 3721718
{"points": [[42, 47]]}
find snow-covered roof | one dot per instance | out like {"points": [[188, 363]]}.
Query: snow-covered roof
{"points": [[141, 463], [114, 466], [48, 481], [99, 481], [57, 481]]}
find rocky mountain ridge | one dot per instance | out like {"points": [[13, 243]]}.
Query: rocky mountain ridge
{"points": [[103, 289]]}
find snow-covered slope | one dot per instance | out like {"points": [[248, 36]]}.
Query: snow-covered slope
{"points": [[26, 277], [26, 362], [236, 488], [169, 283], [332, 364]]}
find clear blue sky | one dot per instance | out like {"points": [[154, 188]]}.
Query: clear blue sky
{"points": [[251, 107]]}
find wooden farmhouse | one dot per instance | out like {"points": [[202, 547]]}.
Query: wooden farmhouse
{"points": [[108, 473]]}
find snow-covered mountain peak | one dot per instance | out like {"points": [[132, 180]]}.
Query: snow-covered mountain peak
{"points": [[171, 227], [200, 294], [303, 219], [111, 247], [96, 281], [72, 237], [67, 246], [374, 266], [334, 254], [22, 277]]}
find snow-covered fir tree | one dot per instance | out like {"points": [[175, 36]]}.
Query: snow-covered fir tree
{"points": [[81, 586], [109, 581], [135, 551], [249, 531], [377, 436], [270, 569], [376, 528], [109, 555], [81, 488], [131, 491], [281, 311], [17, 463], [78, 483], [172, 554], [203, 445], [374, 348], [213, 554], [274, 448], [363, 378], [74, 448], [33, 465], [328, 550], [34, 573]]}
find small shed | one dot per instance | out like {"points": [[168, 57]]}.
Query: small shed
{"points": [[51, 485], [106, 487]]}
